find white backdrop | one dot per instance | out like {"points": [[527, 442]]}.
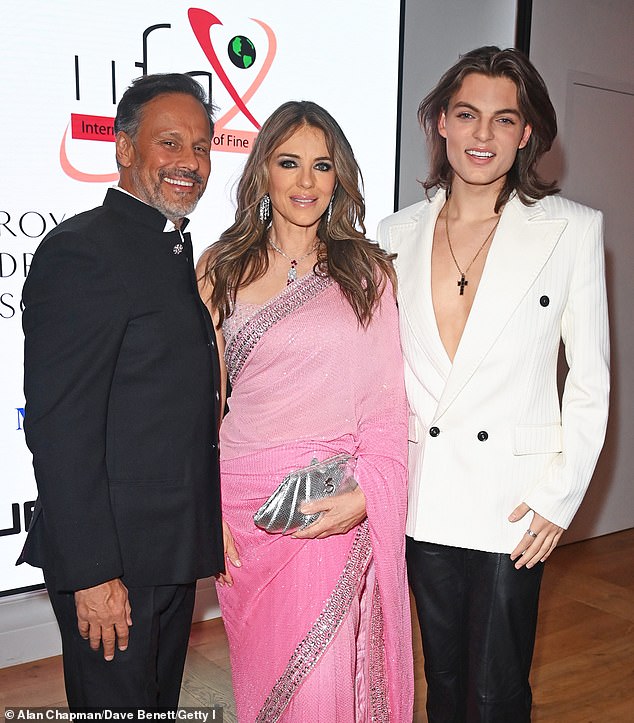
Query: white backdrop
{"points": [[64, 66]]}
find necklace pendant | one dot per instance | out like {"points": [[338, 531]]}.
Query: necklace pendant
{"points": [[462, 282], [292, 273]]}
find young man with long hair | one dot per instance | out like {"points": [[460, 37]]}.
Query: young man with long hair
{"points": [[493, 272]]}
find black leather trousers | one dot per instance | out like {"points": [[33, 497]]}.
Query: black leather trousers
{"points": [[478, 616]]}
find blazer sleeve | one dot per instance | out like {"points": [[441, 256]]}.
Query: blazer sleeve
{"points": [[74, 321], [585, 333]]}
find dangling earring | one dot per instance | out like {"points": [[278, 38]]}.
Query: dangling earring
{"points": [[265, 208], [329, 216]]}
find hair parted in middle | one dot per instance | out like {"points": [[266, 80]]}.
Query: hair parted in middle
{"points": [[240, 256], [534, 105]]}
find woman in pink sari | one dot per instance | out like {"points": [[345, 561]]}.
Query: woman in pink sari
{"points": [[318, 621]]}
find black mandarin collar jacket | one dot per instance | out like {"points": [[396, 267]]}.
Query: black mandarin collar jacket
{"points": [[121, 386]]}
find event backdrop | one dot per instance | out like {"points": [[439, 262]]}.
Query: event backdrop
{"points": [[63, 68]]}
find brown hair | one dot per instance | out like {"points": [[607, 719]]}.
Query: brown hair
{"points": [[535, 107], [240, 256]]}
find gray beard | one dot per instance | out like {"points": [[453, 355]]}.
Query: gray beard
{"points": [[153, 196]]}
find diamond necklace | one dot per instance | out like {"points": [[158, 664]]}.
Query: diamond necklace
{"points": [[462, 281], [292, 272]]}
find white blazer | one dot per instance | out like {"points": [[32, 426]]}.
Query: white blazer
{"points": [[488, 431]]}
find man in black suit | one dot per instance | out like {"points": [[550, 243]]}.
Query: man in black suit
{"points": [[121, 385]]}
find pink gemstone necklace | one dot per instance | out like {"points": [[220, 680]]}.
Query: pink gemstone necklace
{"points": [[292, 272]]}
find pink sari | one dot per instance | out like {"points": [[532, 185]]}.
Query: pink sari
{"points": [[319, 630]]}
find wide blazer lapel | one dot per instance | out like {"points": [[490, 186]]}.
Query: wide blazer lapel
{"points": [[412, 239], [524, 241]]}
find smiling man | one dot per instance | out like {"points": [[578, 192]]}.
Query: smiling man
{"points": [[494, 271], [121, 384]]}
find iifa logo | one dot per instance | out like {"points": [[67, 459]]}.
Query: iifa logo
{"points": [[240, 51]]}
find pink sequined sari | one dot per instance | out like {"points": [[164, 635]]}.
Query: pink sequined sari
{"points": [[319, 630]]}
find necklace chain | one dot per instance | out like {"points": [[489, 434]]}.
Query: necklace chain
{"points": [[292, 272], [462, 281]]}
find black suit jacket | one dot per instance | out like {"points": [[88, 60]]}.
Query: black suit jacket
{"points": [[120, 377]]}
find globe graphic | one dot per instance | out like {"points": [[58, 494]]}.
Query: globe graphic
{"points": [[241, 52]]}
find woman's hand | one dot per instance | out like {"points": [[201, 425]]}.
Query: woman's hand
{"points": [[340, 514], [231, 554]]}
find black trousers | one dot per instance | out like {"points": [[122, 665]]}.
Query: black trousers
{"points": [[478, 617], [146, 675]]}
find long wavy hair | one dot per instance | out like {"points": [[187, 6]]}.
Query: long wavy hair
{"points": [[535, 107], [240, 256]]}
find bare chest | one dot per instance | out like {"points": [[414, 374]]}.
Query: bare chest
{"points": [[456, 271]]}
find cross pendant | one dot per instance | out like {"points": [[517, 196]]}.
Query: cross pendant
{"points": [[462, 283]]}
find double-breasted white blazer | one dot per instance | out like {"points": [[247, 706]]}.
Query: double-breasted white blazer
{"points": [[489, 431]]}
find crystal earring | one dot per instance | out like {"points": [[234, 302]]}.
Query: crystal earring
{"points": [[265, 208], [329, 216]]}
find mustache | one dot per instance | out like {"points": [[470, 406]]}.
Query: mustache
{"points": [[179, 173]]}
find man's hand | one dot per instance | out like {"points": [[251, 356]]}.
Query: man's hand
{"points": [[103, 616], [538, 541]]}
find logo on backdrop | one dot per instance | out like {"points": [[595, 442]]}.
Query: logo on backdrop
{"points": [[21, 516], [15, 264], [240, 53]]}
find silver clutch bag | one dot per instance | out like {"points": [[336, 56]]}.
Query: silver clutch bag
{"points": [[280, 513]]}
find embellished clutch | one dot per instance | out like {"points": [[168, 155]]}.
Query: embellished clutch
{"points": [[280, 513]]}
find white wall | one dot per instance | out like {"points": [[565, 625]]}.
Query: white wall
{"points": [[436, 33], [584, 50]]}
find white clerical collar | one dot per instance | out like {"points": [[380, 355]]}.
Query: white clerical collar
{"points": [[169, 225]]}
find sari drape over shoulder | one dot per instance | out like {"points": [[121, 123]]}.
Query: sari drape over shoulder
{"points": [[319, 630]]}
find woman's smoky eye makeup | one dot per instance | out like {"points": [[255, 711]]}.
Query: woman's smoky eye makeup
{"points": [[324, 165]]}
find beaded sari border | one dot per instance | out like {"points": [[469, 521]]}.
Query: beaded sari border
{"points": [[307, 654], [292, 298], [379, 696]]}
